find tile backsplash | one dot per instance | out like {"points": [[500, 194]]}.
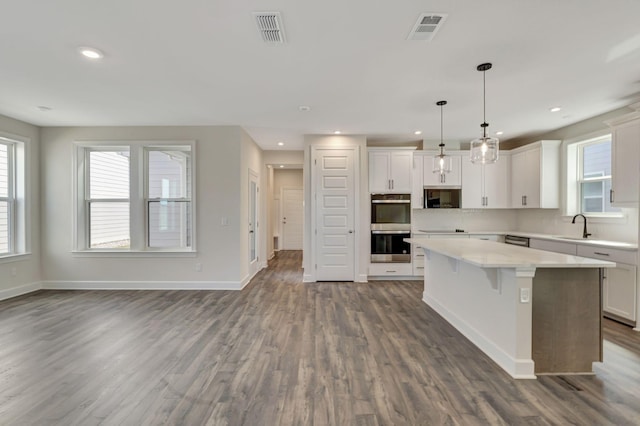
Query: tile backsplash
{"points": [[542, 221]]}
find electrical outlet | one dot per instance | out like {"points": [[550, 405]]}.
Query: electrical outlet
{"points": [[224, 221], [525, 295], [198, 267]]}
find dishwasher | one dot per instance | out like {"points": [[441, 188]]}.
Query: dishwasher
{"points": [[516, 241]]}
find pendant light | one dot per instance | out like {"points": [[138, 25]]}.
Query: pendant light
{"points": [[484, 150], [441, 162]]}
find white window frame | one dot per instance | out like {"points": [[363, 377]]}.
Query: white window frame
{"points": [[138, 221], [575, 179], [17, 196], [147, 199]]}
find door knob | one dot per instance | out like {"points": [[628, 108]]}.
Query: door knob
{"points": [[350, 231]]}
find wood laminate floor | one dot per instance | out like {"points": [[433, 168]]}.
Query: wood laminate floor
{"points": [[281, 352]]}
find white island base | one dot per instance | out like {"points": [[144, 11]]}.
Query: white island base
{"points": [[530, 311]]}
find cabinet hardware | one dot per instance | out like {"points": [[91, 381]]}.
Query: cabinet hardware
{"points": [[391, 271], [611, 195], [601, 254]]}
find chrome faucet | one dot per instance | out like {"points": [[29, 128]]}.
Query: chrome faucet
{"points": [[584, 230]]}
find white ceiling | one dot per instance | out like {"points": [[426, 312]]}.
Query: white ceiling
{"points": [[197, 62]]}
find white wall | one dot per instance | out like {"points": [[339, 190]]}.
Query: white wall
{"points": [[221, 192], [286, 178], [27, 268]]}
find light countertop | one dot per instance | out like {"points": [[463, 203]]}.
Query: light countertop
{"points": [[596, 242], [490, 254]]}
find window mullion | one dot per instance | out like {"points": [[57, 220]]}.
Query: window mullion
{"points": [[136, 198]]}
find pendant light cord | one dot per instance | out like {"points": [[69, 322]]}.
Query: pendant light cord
{"points": [[441, 131], [484, 103]]}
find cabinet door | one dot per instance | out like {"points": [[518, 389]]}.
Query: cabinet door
{"points": [[379, 179], [401, 171], [532, 179], [417, 193], [525, 183], [496, 185], [472, 186], [518, 179], [448, 179], [619, 291], [625, 157]]}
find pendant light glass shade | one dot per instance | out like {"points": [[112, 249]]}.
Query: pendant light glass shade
{"points": [[441, 162], [485, 149]]}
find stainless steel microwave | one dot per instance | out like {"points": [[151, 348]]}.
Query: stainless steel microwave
{"points": [[442, 198]]}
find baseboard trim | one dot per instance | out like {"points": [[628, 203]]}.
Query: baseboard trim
{"points": [[142, 285], [20, 290], [517, 368]]}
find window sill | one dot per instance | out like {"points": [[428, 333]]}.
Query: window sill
{"points": [[596, 218], [126, 253], [8, 258]]}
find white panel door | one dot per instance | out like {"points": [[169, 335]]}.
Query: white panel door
{"points": [[253, 223], [335, 213], [292, 214]]}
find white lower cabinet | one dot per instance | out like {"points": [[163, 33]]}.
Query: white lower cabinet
{"points": [[554, 246], [619, 284], [619, 291], [391, 269]]}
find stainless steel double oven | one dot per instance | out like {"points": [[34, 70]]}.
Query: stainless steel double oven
{"points": [[390, 225]]}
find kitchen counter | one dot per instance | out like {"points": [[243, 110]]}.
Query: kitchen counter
{"points": [[531, 311], [596, 242], [490, 254], [588, 241]]}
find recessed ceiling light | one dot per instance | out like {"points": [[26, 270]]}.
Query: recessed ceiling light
{"points": [[499, 133], [304, 108], [337, 132], [281, 166], [280, 143], [44, 108], [417, 132], [555, 109], [90, 52]]}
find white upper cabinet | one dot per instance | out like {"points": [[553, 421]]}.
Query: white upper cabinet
{"points": [[390, 171], [453, 178], [486, 186], [417, 192], [535, 175], [625, 157]]}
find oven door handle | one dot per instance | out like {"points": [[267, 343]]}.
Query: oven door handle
{"points": [[390, 201], [391, 232]]}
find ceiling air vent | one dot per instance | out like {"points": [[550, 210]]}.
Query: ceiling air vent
{"points": [[270, 27], [427, 26]]}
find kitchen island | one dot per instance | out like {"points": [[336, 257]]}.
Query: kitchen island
{"points": [[531, 311]]}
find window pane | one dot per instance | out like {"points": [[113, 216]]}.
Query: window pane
{"points": [[597, 159], [109, 225], [108, 174], [169, 224], [4, 170], [4, 227], [169, 174], [595, 197]]}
